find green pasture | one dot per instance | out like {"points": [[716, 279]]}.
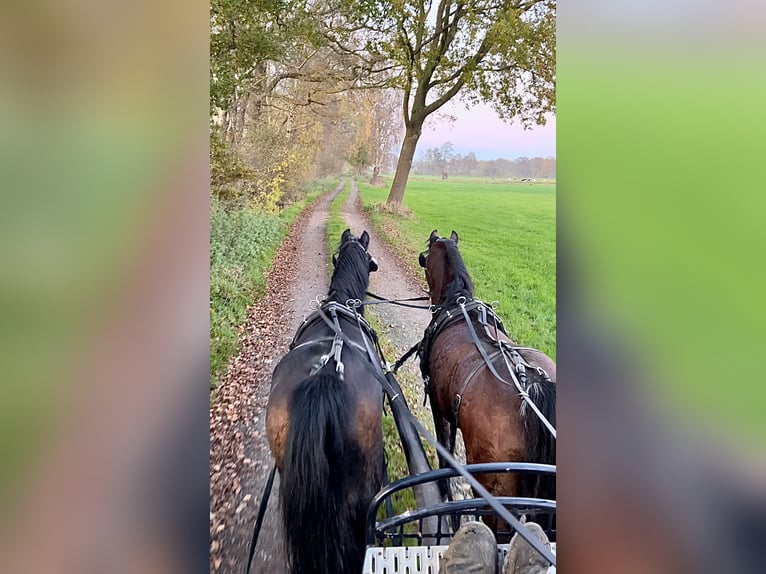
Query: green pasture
{"points": [[507, 239]]}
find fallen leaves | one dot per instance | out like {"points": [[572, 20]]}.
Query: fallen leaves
{"points": [[239, 457]]}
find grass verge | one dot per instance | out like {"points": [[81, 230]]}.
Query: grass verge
{"points": [[335, 223], [242, 245]]}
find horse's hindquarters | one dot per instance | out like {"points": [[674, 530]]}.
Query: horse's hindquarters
{"points": [[331, 468]]}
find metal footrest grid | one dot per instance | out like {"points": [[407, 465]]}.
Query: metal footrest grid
{"points": [[417, 559]]}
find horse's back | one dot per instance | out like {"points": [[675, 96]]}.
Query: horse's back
{"points": [[539, 359], [489, 413]]}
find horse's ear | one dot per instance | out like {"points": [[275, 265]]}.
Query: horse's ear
{"points": [[365, 240], [373, 264], [453, 236], [345, 236], [434, 236], [422, 259]]}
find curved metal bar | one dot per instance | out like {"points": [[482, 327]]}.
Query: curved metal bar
{"points": [[443, 473], [480, 468], [466, 506]]}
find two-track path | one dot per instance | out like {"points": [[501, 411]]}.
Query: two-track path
{"points": [[239, 454]]}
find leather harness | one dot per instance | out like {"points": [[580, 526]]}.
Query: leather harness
{"points": [[473, 310], [336, 311]]}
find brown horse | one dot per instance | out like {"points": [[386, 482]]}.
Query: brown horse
{"points": [[323, 423], [496, 422]]}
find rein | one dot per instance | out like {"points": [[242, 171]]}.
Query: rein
{"points": [[381, 300], [261, 514]]}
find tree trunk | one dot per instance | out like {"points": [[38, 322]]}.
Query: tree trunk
{"points": [[229, 124], [240, 123], [375, 173], [404, 164]]}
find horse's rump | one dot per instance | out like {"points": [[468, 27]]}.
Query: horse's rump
{"points": [[320, 491]]}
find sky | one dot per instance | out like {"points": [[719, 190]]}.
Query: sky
{"points": [[481, 131]]}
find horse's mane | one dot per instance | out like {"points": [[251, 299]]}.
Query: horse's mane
{"points": [[352, 273], [462, 283]]}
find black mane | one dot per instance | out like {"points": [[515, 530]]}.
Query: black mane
{"points": [[462, 283], [351, 275]]}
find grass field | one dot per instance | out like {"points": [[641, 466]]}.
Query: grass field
{"points": [[507, 239]]}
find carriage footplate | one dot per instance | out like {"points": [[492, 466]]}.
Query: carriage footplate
{"points": [[419, 559]]}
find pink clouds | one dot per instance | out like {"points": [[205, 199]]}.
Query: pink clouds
{"points": [[481, 131]]}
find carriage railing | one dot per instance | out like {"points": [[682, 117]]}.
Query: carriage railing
{"points": [[414, 527]]}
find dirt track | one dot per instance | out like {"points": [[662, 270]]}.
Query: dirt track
{"points": [[239, 453]]}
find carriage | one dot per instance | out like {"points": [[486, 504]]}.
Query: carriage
{"points": [[336, 344]]}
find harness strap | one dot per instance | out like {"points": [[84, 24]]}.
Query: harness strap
{"points": [[459, 399], [403, 359], [261, 514], [455, 422], [373, 335], [381, 300], [337, 346], [386, 481], [444, 317], [516, 383], [325, 340]]}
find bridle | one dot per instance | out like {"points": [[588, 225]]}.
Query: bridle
{"points": [[354, 241]]}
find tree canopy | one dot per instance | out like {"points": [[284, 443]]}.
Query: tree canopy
{"points": [[288, 75], [498, 51]]}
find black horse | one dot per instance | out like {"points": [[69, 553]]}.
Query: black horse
{"points": [[323, 423]]}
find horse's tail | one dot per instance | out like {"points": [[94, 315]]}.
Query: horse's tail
{"points": [[318, 505], [540, 446]]}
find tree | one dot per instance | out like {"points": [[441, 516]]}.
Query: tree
{"points": [[447, 152], [498, 51], [385, 127]]}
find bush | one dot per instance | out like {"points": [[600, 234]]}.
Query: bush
{"points": [[242, 242]]}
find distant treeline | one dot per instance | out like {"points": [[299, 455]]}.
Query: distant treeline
{"points": [[444, 161]]}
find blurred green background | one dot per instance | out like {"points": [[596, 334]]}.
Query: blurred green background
{"points": [[662, 205]]}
